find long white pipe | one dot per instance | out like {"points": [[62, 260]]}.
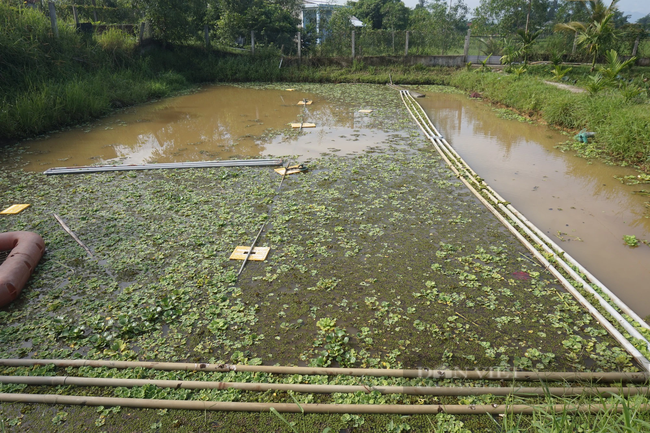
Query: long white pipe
{"points": [[165, 165], [310, 407], [440, 143], [565, 256], [327, 371], [325, 389], [524, 223], [443, 146]]}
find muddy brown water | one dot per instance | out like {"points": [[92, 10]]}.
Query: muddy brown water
{"points": [[577, 202], [218, 122]]}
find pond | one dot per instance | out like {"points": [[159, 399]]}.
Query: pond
{"points": [[219, 122], [577, 202], [379, 259]]}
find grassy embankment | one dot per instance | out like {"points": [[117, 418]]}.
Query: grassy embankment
{"points": [[619, 121]]}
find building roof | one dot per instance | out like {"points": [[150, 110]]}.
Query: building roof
{"points": [[315, 3]]}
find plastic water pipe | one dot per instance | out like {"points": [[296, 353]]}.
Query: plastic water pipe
{"points": [[406, 409], [326, 371], [443, 147], [325, 389]]}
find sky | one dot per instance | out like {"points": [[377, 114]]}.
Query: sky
{"points": [[636, 8]]}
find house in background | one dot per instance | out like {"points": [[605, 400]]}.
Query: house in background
{"points": [[319, 12]]}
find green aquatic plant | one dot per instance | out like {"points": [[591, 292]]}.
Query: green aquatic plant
{"points": [[631, 240]]}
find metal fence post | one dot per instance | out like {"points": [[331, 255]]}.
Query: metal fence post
{"points": [[406, 45], [55, 26], [299, 46], [253, 42], [466, 48], [206, 34], [352, 44]]}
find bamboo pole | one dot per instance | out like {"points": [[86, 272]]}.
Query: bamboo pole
{"points": [[325, 389], [308, 408], [71, 233], [376, 372]]}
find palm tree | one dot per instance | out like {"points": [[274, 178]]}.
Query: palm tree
{"points": [[527, 41], [595, 34]]}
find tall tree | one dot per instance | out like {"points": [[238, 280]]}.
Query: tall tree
{"points": [[381, 14], [270, 19], [644, 22], [507, 16], [445, 26], [173, 20]]}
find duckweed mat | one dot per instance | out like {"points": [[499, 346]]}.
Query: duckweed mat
{"points": [[379, 259]]}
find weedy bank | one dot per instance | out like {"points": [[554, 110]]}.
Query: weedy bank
{"points": [[617, 111], [380, 259]]}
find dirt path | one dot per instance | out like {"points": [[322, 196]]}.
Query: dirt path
{"points": [[572, 89]]}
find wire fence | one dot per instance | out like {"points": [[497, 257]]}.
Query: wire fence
{"points": [[357, 42]]}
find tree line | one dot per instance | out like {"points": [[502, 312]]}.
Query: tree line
{"points": [[276, 21]]}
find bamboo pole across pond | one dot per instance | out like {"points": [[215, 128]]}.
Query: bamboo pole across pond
{"points": [[405, 409], [377, 372], [326, 389]]}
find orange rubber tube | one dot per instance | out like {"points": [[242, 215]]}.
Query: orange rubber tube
{"points": [[26, 248]]}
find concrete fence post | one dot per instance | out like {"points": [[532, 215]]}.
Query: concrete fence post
{"points": [[94, 10], [466, 48], [206, 35], [575, 44], [253, 42], [299, 46], [352, 44], [55, 26], [406, 45], [636, 45], [141, 35]]}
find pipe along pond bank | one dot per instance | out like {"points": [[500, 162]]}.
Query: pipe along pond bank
{"points": [[379, 259]]}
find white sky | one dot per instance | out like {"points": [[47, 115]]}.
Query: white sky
{"points": [[636, 8]]}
